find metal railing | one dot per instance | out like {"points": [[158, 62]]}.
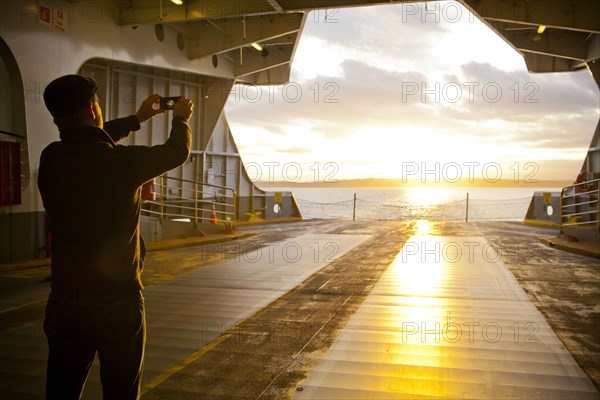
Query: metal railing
{"points": [[182, 199], [579, 205]]}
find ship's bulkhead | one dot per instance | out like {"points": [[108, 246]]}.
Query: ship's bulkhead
{"points": [[210, 192]]}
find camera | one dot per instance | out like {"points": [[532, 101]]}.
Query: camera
{"points": [[167, 103]]}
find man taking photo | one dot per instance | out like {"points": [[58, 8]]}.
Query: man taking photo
{"points": [[91, 190]]}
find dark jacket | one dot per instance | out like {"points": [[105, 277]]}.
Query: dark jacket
{"points": [[91, 189]]}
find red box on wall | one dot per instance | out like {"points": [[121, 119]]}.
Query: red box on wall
{"points": [[10, 173]]}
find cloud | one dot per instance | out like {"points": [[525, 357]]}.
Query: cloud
{"points": [[385, 82], [296, 150]]}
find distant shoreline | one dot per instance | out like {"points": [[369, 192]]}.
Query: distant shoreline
{"points": [[399, 183]]}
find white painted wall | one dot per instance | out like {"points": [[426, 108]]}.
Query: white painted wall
{"points": [[44, 53]]}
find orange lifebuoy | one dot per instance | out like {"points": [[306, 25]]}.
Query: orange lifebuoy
{"points": [[582, 178]]}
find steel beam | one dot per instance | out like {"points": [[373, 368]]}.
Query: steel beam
{"points": [[543, 63], [562, 44], [581, 15], [230, 34], [140, 12]]}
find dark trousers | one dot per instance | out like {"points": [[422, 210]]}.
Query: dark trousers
{"points": [[78, 327]]}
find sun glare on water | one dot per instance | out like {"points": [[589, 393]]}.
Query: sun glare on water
{"points": [[428, 196]]}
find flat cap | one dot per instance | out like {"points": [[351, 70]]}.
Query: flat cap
{"points": [[68, 94]]}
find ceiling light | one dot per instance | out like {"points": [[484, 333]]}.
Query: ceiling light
{"points": [[178, 2], [257, 46], [540, 31]]}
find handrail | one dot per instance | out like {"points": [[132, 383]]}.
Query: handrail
{"points": [[577, 201], [183, 198], [12, 134]]}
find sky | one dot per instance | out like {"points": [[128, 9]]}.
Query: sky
{"points": [[412, 91]]}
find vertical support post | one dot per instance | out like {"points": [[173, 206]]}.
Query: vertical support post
{"points": [[354, 209], [598, 206], [467, 209], [196, 202], [234, 219], [562, 196], [162, 198]]}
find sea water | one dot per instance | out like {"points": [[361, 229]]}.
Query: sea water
{"points": [[443, 204]]}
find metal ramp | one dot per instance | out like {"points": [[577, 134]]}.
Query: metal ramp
{"points": [[447, 321], [185, 313]]}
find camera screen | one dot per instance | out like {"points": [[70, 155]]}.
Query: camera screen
{"points": [[167, 103]]}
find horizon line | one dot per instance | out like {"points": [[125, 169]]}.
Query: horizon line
{"points": [[399, 182]]}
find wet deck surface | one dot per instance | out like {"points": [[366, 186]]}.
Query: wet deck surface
{"points": [[297, 309]]}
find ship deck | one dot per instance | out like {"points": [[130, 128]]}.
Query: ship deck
{"points": [[342, 309]]}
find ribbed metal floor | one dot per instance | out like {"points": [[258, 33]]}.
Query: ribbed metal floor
{"points": [[448, 321], [187, 312]]}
